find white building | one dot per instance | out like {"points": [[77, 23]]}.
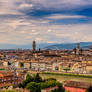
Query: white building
{"points": [[38, 66], [27, 65]]}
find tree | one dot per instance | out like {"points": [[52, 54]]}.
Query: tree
{"points": [[29, 79], [33, 87], [89, 89], [59, 89], [47, 84], [21, 64], [67, 69], [37, 78], [35, 83]]}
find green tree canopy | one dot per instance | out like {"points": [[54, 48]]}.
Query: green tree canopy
{"points": [[33, 87], [59, 89], [37, 78], [35, 83], [28, 79]]}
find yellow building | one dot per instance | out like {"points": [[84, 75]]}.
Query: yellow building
{"points": [[84, 61], [89, 68], [5, 63]]}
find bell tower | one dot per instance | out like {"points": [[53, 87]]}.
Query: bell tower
{"points": [[77, 49], [34, 46]]}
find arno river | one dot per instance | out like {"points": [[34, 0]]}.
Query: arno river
{"points": [[63, 78]]}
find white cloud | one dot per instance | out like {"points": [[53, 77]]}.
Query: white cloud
{"points": [[9, 7], [24, 34], [49, 30], [14, 6], [62, 4], [26, 5], [24, 29], [16, 23], [60, 16]]}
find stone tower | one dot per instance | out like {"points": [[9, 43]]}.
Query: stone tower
{"points": [[77, 49], [34, 46]]}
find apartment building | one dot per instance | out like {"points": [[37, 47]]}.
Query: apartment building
{"points": [[8, 79], [74, 86]]}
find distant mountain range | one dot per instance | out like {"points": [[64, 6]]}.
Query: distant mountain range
{"points": [[84, 45], [27, 46], [46, 46]]}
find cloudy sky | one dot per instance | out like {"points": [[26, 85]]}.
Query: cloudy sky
{"points": [[46, 21]]}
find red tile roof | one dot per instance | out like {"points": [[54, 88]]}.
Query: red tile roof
{"points": [[75, 84]]}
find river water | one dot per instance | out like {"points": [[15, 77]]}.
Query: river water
{"points": [[61, 78]]}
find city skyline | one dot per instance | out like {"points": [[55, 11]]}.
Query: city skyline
{"points": [[46, 21]]}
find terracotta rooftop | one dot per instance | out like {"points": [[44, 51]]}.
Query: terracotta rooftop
{"points": [[5, 85], [75, 84], [5, 73]]}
